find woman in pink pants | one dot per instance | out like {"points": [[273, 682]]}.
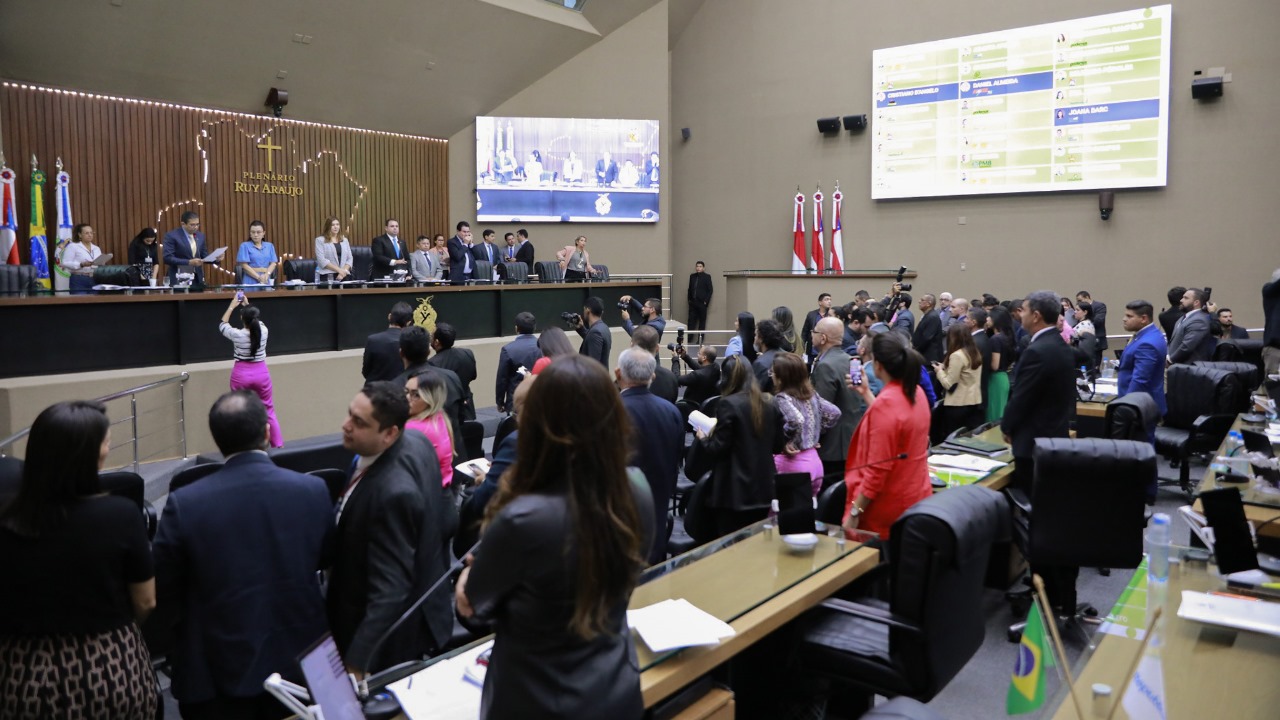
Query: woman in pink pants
{"points": [[250, 371]]}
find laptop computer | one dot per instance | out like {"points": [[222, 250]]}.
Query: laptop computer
{"points": [[327, 679], [1258, 442]]}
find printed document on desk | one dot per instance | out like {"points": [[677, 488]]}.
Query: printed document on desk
{"points": [[1233, 611], [443, 690], [673, 624], [965, 461]]}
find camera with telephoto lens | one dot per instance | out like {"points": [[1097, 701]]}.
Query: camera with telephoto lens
{"points": [[677, 346], [902, 270], [571, 317], [624, 306]]}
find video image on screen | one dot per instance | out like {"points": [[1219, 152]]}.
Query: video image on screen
{"points": [[1072, 105], [567, 170]]}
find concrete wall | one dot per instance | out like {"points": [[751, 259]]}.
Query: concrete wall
{"points": [[750, 77]]}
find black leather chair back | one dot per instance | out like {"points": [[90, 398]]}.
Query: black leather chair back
{"points": [[831, 503], [125, 275], [1192, 391], [473, 440], [303, 269], [309, 456], [10, 475], [938, 553], [505, 427], [1247, 375], [334, 478], [131, 486], [1227, 351], [482, 272], [601, 273], [18, 279], [709, 406], [1131, 417], [361, 262], [185, 477], [512, 273], [1102, 480], [549, 272]]}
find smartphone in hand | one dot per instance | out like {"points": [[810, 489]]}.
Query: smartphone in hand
{"points": [[239, 296], [855, 371]]}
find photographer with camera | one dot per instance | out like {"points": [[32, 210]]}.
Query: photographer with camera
{"points": [[596, 340], [701, 383], [897, 306], [650, 313]]}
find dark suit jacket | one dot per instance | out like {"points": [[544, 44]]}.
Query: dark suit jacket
{"points": [[1043, 399], [1168, 319], [1100, 324], [700, 289], [658, 444], [458, 253], [829, 374], [762, 365], [596, 342], [478, 253], [384, 252], [523, 351], [390, 547], [701, 383], [983, 341], [928, 337], [463, 363], [177, 251], [665, 384], [524, 254], [382, 356], [471, 512], [739, 459], [236, 560], [905, 324], [1191, 340]]}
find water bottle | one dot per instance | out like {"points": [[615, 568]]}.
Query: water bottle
{"points": [[1158, 540], [1231, 449]]}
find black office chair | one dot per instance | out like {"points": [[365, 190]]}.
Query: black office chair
{"points": [[1201, 408], [10, 475], [123, 275], [1248, 375], [513, 273], [306, 455], [831, 503], [549, 271], [1227, 351], [334, 478], [18, 280], [601, 274], [482, 273], [473, 440], [131, 486], [361, 262], [506, 426], [303, 269], [914, 641], [709, 406], [1133, 417], [1101, 479], [185, 477]]}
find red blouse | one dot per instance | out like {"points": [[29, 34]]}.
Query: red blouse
{"points": [[890, 427]]}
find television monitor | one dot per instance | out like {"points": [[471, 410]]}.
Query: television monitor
{"points": [[1071, 105], [567, 170]]}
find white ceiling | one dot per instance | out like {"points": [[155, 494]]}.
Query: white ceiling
{"points": [[425, 67]]}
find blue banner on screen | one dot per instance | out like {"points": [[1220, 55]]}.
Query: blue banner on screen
{"points": [[567, 170], [1071, 105]]}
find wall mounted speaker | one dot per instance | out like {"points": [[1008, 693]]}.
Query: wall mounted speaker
{"points": [[1206, 88], [685, 133], [829, 125], [856, 123]]}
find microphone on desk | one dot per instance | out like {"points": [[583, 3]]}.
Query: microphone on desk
{"points": [[382, 705]]}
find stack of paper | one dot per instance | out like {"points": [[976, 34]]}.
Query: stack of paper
{"points": [[968, 463], [673, 624], [1233, 611], [442, 690], [701, 421]]}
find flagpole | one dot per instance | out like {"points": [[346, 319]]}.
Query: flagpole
{"points": [[1057, 643], [1133, 666]]}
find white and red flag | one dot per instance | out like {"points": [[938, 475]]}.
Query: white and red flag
{"points": [[797, 256], [8, 218], [837, 241], [819, 256]]}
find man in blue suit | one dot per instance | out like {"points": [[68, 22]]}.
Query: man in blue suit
{"points": [[236, 559], [1142, 363], [185, 246], [658, 431]]}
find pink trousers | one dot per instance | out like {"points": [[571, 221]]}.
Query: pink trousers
{"points": [[806, 461], [255, 376]]}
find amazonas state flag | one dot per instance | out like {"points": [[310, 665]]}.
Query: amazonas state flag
{"points": [[1026, 689]]}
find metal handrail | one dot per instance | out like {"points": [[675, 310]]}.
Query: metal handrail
{"points": [[132, 394]]}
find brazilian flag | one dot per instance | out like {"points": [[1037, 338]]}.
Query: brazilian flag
{"points": [[1026, 689]]}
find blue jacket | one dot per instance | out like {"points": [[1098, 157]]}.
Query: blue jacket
{"points": [[1142, 366]]}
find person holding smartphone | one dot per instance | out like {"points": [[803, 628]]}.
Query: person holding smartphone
{"points": [[250, 371]]}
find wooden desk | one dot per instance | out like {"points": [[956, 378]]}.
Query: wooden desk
{"points": [[1256, 514], [1209, 672]]}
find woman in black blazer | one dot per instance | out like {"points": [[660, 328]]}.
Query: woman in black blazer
{"points": [[738, 452]]}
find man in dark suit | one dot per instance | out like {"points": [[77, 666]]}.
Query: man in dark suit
{"points": [[770, 337], [596, 341], [524, 249], [830, 375], [700, 384], [392, 528], [700, 290], [236, 560], [460, 261], [185, 246], [927, 338], [1230, 330], [810, 321], [665, 383], [487, 250], [522, 352], [389, 251], [1191, 340], [658, 437], [460, 360], [976, 321], [606, 170], [382, 349], [1170, 317], [415, 349], [1043, 399], [1099, 322]]}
